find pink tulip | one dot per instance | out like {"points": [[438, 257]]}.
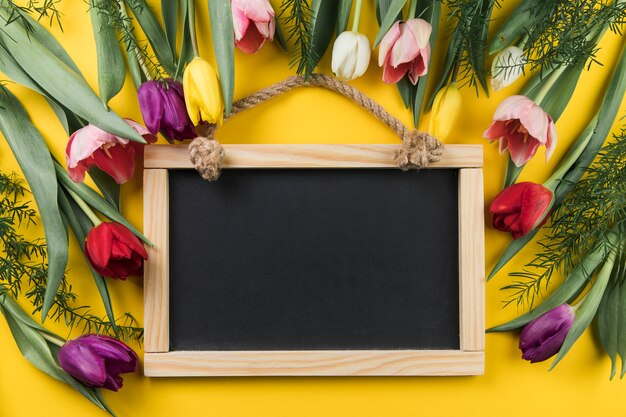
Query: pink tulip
{"points": [[405, 49], [253, 21], [522, 126], [114, 155]]}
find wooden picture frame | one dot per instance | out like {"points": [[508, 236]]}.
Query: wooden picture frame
{"points": [[160, 362]]}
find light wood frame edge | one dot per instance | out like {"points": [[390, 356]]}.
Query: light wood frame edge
{"points": [[469, 360]]}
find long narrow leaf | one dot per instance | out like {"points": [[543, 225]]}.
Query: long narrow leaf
{"points": [[433, 15], [394, 8], [343, 14], [224, 45], [170, 14], [111, 67], [60, 81], [33, 156]]}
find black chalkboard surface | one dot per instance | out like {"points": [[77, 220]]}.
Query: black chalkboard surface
{"points": [[314, 259]]}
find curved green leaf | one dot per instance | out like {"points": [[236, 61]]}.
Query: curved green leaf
{"points": [[323, 19], [169, 12], [390, 16], [343, 14], [514, 26], [222, 32], [432, 14], [33, 156], [111, 67], [60, 81], [155, 34], [588, 308]]}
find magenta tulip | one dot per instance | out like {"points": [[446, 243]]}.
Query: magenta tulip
{"points": [[114, 251], [97, 361], [405, 49], [254, 22], [163, 109], [114, 155], [543, 337], [522, 126]]}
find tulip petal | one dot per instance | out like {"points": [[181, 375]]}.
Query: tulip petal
{"points": [[393, 75], [421, 31], [85, 141], [240, 21], [551, 140], [118, 161], [405, 49], [521, 149], [512, 108], [257, 10], [535, 202], [252, 41], [98, 245], [151, 100], [419, 66], [536, 121], [496, 131], [120, 232], [82, 363], [387, 43]]}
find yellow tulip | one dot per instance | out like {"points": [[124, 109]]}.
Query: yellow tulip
{"points": [[445, 111], [203, 95]]}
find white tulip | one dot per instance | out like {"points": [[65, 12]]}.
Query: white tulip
{"points": [[351, 55], [507, 67]]}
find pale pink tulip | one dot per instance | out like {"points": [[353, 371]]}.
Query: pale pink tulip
{"points": [[522, 126], [114, 155], [405, 49], [253, 21]]}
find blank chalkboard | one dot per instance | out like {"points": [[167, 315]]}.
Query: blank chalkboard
{"points": [[314, 260], [270, 259]]}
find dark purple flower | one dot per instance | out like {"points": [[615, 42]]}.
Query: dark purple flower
{"points": [[543, 337], [97, 361], [163, 109]]}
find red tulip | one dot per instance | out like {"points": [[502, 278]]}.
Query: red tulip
{"points": [[253, 21], [520, 208], [405, 49], [114, 155], [522, 126], [114, 251]]}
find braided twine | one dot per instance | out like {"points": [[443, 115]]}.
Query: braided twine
{"points": [[417, 151]]}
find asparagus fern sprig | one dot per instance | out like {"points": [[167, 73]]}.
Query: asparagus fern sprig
{"points": [[295, 17]]}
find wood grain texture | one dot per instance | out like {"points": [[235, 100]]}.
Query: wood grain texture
{"points": [[314, 363], [156, 268], [310, 156], [472, 259]]}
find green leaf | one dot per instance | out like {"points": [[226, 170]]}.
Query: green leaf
{"points": [[512, 173], [111, 67], [186, 51], [96, 201], [224, 45], [60, 81], [81, 225], [568, 290], [448, 65], [389, 18], [280, 36], [134, 67], [33, 156], [107, 185], [323, 19], [343, 14], [155, 34], [432, 14], [587, 309], [169, 12], [404, 87], [514, 27], [477, 45], [608, 322]]}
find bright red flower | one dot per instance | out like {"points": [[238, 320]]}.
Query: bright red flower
{"points": [[114, 251], [520, 208]]}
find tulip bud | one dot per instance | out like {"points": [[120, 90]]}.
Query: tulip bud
{"points": [[203, 94], [162, 105], [507, 67], [405, 49], [521, 208], [351, 55], [114, 251], [97, 361], [543, 337], [445, 111], [521, 126], [253, 22]]}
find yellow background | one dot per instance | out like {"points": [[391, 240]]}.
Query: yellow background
{"points": [[579, 386]]}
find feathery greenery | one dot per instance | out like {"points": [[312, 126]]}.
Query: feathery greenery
{"points": [[295, 17], [23, 268], [595, 208], [40, 9]]}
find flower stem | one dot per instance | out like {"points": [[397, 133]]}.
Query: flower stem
{"points": [[412, 9], [549, 83], [357, 15], [138, 54], [52, 339], [85, 207], [191, 13]]}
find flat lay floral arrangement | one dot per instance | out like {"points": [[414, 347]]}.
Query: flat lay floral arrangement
{"points": [[549, 43]]}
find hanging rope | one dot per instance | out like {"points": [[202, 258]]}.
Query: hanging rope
{"points": [[417, 151]]}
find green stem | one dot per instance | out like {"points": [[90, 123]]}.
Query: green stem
{"points": [[357, 16], [52, 339], [412, 9], [86, 209], [191, 13], [140, 58], [548, 84]]}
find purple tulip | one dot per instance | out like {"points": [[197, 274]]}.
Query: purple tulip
{"points": [[97, 361], [543, 337], [163, 109]]}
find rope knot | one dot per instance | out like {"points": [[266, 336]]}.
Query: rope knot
{"points": [[207, 156], [418, 150]]}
